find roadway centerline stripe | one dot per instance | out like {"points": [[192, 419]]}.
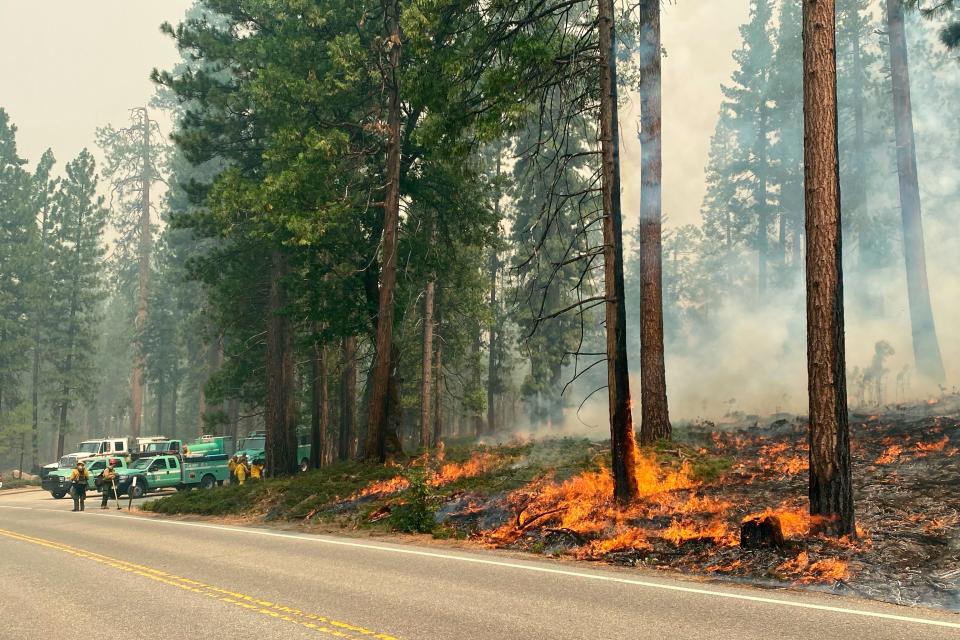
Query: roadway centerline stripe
{"points": [[311, 621], [537, 569]]}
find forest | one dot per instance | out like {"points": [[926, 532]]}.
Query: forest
{"points": [[395, 227]]}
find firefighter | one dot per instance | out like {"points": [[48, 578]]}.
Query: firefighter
{"points": [[78, 486], [232, 466], [241, 470], [108, 484], [256, 470]]}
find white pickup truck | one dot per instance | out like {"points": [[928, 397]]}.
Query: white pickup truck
{"points": [[119, 446]]}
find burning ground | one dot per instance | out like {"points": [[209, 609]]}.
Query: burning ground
{"points": [[553, 497]]}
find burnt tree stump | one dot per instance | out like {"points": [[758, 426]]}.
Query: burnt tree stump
{"points": [[761, 531]]}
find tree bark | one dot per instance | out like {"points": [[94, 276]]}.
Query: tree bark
{"points": [[655, 417], [320, 410], [137, 375], [926, 348], [279, 410], [427, 381], [623, 443], [377, 413], [348, 400], [831, 486]]}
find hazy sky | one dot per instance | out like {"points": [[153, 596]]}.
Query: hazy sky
{"points": [[69, 66]]}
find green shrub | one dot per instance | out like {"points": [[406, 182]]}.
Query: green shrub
{"points": [[416, 515]]}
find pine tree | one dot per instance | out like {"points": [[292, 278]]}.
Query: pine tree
{"points": [[926, 347], [77, 234], [19, 244], [831, 484], [135, 160], [44, 190], [748, 99]]}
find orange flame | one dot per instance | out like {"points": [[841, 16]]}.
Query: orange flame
{"points": [[889, 454]]}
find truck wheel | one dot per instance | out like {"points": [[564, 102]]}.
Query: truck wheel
{"points": [[136, 491], [57, 495], [208, 482], [304, 465]]}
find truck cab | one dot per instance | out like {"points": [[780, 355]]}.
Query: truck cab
{"points": [[58, 481], [205, 467], [254, 448], [117, 446]]}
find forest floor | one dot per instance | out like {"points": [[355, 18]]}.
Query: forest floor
{"points": [[551, 498]]}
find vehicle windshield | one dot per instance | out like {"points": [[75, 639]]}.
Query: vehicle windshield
{"points": [[253, 443], [67, 462], [142, 463], [158, 446], [89, 447]]}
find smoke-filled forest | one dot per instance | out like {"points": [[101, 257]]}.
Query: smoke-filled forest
{"points": [[394, 238]]}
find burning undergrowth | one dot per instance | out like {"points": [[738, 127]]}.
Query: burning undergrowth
{"points": [[906, 474], [724, 501]]}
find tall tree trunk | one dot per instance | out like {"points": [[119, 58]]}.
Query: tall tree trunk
{"points": [[623, 443], [348, 400], [37, 351], [279, 414], [201, 409], [233, 411], [926, 348], [655, 418], [438, 378], [377, 413], [763, 220], [831, 486], [159, 395], [860, 194], [320, 408], [427, 382], [137, 375], [173, 411], [493, 381]]}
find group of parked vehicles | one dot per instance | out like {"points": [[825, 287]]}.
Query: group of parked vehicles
{"points": [[151, 464]]}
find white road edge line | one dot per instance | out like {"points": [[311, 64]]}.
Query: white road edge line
{"points": [[527, 567]]}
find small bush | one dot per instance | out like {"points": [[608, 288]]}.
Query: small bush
{"points": [[416, 515]]}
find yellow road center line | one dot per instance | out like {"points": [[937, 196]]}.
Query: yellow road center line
{"points": [[257, 605]]}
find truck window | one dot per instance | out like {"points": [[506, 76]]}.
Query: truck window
{"points": [[173, 464], [89, 447], [97, 466], [158, 465], [119, 446]]}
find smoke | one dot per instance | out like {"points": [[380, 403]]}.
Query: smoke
{"points": [[746, 355]]}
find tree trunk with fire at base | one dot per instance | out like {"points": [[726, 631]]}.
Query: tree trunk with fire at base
{"points": [[654, 414], [926, 348], [622, 439], [831, 485]]}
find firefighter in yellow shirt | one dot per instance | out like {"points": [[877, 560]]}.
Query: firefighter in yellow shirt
{"points": [[241, 470], [256, 470], [108, 484], [78, 486]]}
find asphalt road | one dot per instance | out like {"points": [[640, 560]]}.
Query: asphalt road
{"points": [[104, 572]]}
